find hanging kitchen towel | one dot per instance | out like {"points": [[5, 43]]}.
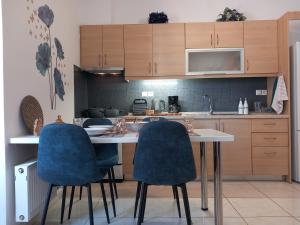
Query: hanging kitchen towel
{"points": [[280, 95]]}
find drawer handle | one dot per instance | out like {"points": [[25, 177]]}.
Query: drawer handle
{"points": [[269, 124], [270, 153], [270, 138]]}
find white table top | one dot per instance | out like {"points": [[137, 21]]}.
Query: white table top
{"points": [[201, 135]]}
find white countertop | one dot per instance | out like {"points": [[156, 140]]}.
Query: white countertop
{"points": [[200, 135]]}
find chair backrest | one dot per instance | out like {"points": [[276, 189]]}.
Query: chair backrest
{"points": [[164, 154], [96, 121], [66, 156]]}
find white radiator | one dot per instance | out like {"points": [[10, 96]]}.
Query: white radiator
{"points": [[30, 191]]}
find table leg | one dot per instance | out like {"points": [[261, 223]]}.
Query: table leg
{"points": [[204, 196], [218, 185]]}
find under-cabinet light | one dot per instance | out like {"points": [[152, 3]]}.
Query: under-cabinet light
{"points": [[160, 82]]}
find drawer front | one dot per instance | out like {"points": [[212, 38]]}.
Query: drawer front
{"points": [[270, 125], [270, 139], [270, 161]]}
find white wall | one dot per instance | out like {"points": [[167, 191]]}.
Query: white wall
{"points": [[136, 11], [21, 77]]}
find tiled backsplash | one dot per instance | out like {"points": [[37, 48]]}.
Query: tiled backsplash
{"points": [[117, 93]]}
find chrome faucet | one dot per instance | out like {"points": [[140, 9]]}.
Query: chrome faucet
{"points": [[209, 102]]}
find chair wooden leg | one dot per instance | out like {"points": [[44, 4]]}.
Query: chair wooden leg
{"points": [[105, 202], [142, 203], [71, 202], [175, 191], [46, 204], [63, 203], [145, 200], [112, 193], [114, 182], [80, 193], [137, 197], [186, 204], [90, 200]]}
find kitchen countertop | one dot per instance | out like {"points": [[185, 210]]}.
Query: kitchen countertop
{"points": [[201, 115]]}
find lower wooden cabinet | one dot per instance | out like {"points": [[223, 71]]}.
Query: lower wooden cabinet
{"points": [[270, 161], [236, 156], [127, 159]]}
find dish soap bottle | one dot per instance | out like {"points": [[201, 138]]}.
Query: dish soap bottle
{"points": [[241, 107], [246, 108]]}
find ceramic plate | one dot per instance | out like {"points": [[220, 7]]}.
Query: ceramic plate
{"points": [[95, 131], [101, 126]]}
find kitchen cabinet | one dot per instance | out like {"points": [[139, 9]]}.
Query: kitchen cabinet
{"points": [[229, 34], [214, 35], [113, 46], [261, 47], [236, 156], [168, 50], [199, 35], [101, 46], [128, 151], [91, 46], [138, 50], [270, 147]]}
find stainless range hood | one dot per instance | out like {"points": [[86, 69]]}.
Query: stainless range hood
{"points": [[105, 70]]}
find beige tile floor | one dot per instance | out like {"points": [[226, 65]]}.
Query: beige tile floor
{"points": [[245, 203]]}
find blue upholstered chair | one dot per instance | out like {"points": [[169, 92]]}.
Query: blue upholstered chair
{"points": [[107, 156], [164, 156], [66, 157]]}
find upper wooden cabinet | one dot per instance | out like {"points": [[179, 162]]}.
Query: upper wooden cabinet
{"points": [[138, 50], [101, 46], [237, 159], [261, 46], [168, 50], [113, 46], [91, 46], [200, 35], [229, 35], [214, 35]]}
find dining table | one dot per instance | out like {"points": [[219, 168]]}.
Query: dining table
{"points": [[201, 136]]}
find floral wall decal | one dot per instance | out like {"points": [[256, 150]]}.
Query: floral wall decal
{"points": [[49, 58]]}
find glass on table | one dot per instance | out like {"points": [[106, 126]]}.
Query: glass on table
{"points": [[188, 123], [77, 121]]}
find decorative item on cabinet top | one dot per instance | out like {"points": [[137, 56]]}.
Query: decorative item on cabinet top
{"points": [[158, 17], [231, 15]]}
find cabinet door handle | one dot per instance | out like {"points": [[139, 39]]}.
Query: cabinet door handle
{"points": [[269, 124], [150, 68], [155, 68], [211, 40], [105, 59], [270, 138], [218, 41], [270, 153], [99, 60], [222, 127], [248, 65]]}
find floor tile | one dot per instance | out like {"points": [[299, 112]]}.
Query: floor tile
{"points": [[255, 207], [240, 190], [291, 205], [277, 189], [272, 221]]}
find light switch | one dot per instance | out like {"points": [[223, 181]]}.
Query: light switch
{"points": [[258, 92], [144, 93], [150, 93], [264, 92]]}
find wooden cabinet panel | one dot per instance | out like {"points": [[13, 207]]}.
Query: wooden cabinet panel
{"points": [[168, 50], [270, 161], [138, 50], [113, 46], [91, 46], [199, 35], [261, 47], [229, 35], [236, 156], [270, 125], [270, 139], [128, 151]]}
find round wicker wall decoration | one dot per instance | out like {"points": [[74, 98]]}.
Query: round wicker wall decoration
{"points": [[31, 110]]}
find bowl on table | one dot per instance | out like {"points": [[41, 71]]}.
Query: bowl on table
{"points": [[135, 126], [96, 131], [101, 126]]}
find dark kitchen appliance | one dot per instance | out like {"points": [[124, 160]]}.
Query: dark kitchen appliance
{"points": [[139, 107], [174, 107]]}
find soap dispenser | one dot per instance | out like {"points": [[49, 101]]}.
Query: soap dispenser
{"points": [[241, 107], [246, 108]]}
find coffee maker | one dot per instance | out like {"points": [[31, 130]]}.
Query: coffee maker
{"points": [[174, 107]]}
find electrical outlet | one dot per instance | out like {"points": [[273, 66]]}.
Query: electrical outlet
{"points": [[144, 93], [150, 93], [258, 92], [264, 92]]}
